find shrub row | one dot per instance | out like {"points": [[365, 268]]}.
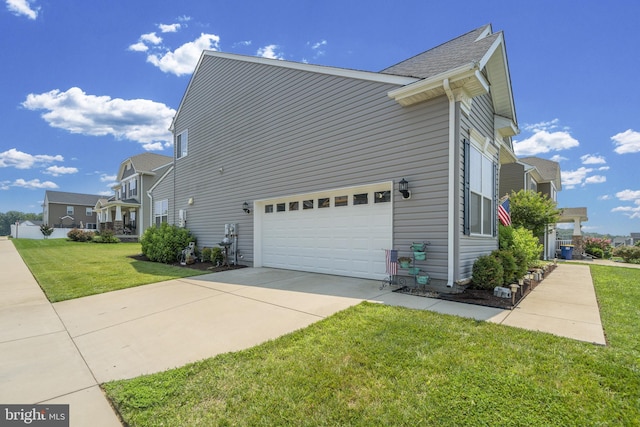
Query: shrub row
{"points": [[105, 236], [630, 254], [519, 249]]}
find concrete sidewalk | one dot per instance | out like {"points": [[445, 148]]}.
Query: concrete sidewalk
{"points": [[59, 353]]}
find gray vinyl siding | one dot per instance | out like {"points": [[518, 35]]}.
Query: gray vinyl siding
{"points": [[258, 131], [469, 248], [511, 178]]}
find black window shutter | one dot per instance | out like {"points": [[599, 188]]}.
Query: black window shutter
{"points": [[467, 185]]}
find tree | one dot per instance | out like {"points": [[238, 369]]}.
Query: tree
{"points": [[533, 211], [9, 218]]}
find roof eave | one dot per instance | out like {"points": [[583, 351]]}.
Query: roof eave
{"points": [[466, 76]]}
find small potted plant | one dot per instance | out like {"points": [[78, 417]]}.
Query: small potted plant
{"points": [[404, 261]]}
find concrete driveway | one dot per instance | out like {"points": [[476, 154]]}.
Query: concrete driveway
{"points": [[151, 328]]}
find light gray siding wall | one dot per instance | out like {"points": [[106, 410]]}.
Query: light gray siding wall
{"points": [[258, 131], [163, 190], [469, 248]]}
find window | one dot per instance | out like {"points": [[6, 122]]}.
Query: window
{"points": [[361, 199], [382, 197], [280, 207], [481, 194], [88, 212], [268, 209], [293, 206], [341, 201], [69, 210], [133, 191], [161, 211], [323, 202], [307, 204], [182, 144]]}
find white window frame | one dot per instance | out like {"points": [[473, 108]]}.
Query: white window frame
{"points": [[483, 187], [88, 211], [69, 210], [182, 144], [161, 211]]}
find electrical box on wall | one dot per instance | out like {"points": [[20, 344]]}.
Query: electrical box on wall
{"points": [[182, 218]]}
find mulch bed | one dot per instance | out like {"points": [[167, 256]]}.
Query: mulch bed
{"points": [[482, 297], [202, 266]]}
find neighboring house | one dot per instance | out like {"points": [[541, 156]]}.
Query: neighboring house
{"points": [[306, 160], [128, 211], [69, 210], [635, 239]]}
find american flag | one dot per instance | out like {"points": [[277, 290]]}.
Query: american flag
{"points": [[504, 212], [392, 261]]}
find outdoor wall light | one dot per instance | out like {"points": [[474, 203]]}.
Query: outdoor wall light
{"points": [[403, 187], [245, 208]]}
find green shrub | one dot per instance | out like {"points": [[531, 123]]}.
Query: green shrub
{"points": [[524, 246], [216, 256], [596, 252], [509, 265], [78, 235], [165, 243], [205, 255], [105, 236], [630, 254], [487, 272]]}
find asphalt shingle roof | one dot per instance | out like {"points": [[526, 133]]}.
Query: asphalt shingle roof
{"points": [[448, 56], [63, 197]]}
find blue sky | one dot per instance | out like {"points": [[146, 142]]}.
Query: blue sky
{"points": [[86, 84]]}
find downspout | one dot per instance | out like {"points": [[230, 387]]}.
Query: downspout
{"points": [[151, 208], [452, 182]]}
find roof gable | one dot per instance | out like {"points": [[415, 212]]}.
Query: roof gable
{"points": [[144, 163], [475, 62], [548, 169]]}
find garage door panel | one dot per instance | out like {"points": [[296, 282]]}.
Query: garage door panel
{"points": [[345, 240]]}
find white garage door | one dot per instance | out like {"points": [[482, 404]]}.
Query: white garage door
{"points": [[341, 232]]}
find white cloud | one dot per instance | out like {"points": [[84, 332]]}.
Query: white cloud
{"points": [[604, 168], [270, 52], [595, 179], [23, 7], [151, 38], [153, 146], [169, 28], [5, 185], [107, 178], [544, 142], [139, 120], [628, 195], [590, 159], [184, 59], [570, 179], [541, 126], [605, 197], [60, 170], [558, 158], [242, 43], [627, 142], [138, 47], [21, 160], [319, 44], [34, 184]]}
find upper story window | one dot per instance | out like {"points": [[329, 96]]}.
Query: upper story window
{"points": [[133, 190], [182, 144], [88, 212], [69, 210]]}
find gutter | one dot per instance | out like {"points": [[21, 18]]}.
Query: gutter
{"points": [[451, 206]]}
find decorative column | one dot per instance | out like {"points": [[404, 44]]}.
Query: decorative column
{"points": [[576, 239]]}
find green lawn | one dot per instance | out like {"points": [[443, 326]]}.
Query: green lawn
{"points": [[375, 365], [67, 270]]}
